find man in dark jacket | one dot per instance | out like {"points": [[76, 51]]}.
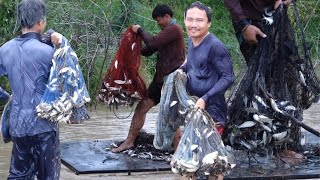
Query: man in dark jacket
{"points": [[246, 18], [26, 61], [170, 47]]}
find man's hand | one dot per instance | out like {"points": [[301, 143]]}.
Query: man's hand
{"points": [[200, 104], [250, 34], [135, 28], [285, 2], [56, 38]]}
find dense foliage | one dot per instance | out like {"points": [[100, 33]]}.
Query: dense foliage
{"points": [[94, 28]]}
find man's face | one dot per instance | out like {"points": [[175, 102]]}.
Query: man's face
{"points": [[196, 22], [162, 21]]}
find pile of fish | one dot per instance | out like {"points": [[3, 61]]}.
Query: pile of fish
{"points": [[66, 92], [265, 110], [201, 150], [144, 149], [122, 85]]}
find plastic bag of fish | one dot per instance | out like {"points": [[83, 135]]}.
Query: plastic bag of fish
{"points": [[201, 150], [66, 93]]}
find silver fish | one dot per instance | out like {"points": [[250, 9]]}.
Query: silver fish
{"points": [[274, 106], [280, 136], [173, 103], [303, 80], [260, 100], [246, 124]]}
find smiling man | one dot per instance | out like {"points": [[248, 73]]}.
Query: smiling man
{"points": [[208, 67], [170, 48]]}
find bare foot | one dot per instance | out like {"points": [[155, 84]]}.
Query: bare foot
{"points": [[124, 146]]}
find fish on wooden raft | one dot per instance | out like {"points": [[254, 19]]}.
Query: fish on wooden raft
{"points": [[122, 85], [66, 93], [266, 106], [201, 150]]}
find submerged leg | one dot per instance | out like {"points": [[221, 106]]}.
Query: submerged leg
{"points": [[137, 123]]}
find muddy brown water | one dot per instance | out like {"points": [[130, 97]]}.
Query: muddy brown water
{"points": [[104, 125]]}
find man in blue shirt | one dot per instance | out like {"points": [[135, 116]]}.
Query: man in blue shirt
{"points": [[26, 61], [208, 66]]}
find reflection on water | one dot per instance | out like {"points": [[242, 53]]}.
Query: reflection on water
{"points": [[104, 125]]}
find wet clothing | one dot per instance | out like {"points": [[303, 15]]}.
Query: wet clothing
{"points": [[245, 12], [210, 74], [41, 156], [26, 61], [170, 47], [4, 95]]}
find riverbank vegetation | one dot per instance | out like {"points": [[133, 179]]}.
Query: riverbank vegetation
{"points": [[94, 28]]}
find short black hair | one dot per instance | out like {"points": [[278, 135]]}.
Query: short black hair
{"points": [[30, 12], [161, 10], [201, 6]]}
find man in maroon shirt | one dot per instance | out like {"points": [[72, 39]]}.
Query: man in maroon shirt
{"points": [[170, 47], [246, 18]]}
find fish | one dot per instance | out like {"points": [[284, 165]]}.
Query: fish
{"points": [[210, 158], [116, 64], [64, 70], [265, 127], [121, 82], [290, 108], [269, 20], [280, 136], [265, 119], [274, 106], [302, 79], [209, 134], [260, 100], [173, 103], [132, 46], [246, 124], [247, 145]]}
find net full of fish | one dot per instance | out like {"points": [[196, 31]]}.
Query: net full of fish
{"points": [[201, 150], [277, 86], [122, 85], [66, 92]]}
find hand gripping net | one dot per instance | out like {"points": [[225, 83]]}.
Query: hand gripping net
{"points": [[265, 109]]}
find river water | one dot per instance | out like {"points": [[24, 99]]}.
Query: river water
{"points": [[104, 125]]}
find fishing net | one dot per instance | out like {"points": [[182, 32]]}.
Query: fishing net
{"points": [[122, 84], [265, 109], [66, 92], [4, 125], [201, 150]]}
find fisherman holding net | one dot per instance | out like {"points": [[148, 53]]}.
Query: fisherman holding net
{"points": [[199, 104], [170, 48], [266, 107], [26, 61]]}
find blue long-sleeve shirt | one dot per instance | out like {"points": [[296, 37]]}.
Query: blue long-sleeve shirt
{"points": [[26, 62], [210, 74]]}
